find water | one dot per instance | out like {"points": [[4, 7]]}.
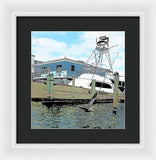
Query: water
{"points": [[74, 117]]}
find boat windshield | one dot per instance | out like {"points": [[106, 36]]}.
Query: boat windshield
{"points": [[102, 85]]}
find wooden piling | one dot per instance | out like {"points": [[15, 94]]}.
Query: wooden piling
{"points": [[73, 86], [93, 86], [115, 95], [51, 85], [48, 77]]}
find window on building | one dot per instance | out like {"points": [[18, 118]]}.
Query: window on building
{"points": [[72, 68], [58, 68]]}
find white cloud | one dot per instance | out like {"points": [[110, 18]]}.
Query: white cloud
{"points": [[47, 49], [43, 48], [50, 44]]}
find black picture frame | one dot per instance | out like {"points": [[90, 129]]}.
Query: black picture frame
{"points": [[131, 133]]}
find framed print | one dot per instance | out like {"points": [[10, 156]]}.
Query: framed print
{"points": [[20, 138], [78, 79]]}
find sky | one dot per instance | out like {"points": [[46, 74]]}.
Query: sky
{"points": [[77, 45]]}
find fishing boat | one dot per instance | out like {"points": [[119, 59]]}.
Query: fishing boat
{"points": [[83, 88], [102, 83]]}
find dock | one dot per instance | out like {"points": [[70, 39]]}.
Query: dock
{"points": [[65, 94]]}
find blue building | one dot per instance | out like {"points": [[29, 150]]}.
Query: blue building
{"points": [[65, 68]]}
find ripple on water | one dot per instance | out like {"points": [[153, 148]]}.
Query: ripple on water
{"points": [[74, 117]]}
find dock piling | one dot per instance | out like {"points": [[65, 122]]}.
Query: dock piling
{"points": [[115, 95], [115, 99], [50, 85], [73, 86], [93, 86]]}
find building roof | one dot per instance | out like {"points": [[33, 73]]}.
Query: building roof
{"points": [[61, 60], [68, 60], [38, 62]]}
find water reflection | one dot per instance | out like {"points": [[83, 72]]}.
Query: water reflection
{"points": [[74, 117]]}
